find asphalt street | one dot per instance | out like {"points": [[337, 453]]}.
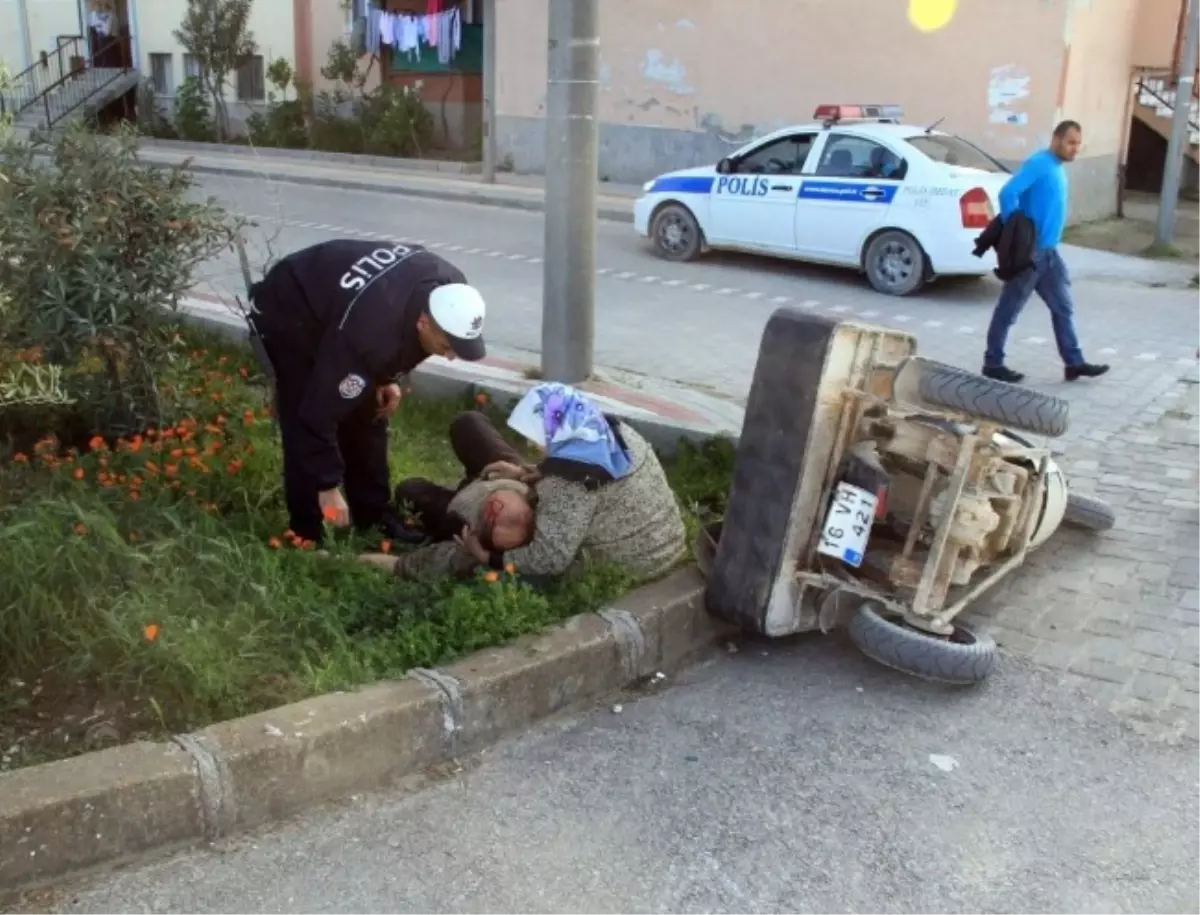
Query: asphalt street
{"points": [[793, 777], [698, 323]]}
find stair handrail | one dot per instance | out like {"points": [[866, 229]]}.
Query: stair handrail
{"points": [[1143, 87], [25, 85], [63, 110]]}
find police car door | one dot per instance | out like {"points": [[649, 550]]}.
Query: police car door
{"points": [[753, 205], [847, 197]]}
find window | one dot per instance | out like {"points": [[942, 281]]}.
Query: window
{"points": [[191, 66], [251, 82], [847, 156], [955, 151], [162, 73], [779, 157]]}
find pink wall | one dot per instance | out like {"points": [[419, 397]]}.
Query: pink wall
{"points": [[1097, 86], [994, 72], [1155, 33]]}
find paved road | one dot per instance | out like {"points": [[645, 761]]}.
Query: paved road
{"points": [[700, 323], [794, 777]]}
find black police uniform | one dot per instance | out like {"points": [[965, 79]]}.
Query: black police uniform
{"points": [[338, 320]]}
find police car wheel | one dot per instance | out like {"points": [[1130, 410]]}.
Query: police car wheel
{"points": [[675, 233], [895, 263]]}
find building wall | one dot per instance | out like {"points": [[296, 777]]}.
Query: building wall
{"points": [[1155, 34], [47, 20], [685, 81], [1096, 92], [272, 24], [327, 23]]}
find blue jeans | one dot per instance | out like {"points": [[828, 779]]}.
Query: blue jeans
{"points": [[1049, 279]]}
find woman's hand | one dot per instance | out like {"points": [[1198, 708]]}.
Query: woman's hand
{"points": [[471, 545], [506, 470]]}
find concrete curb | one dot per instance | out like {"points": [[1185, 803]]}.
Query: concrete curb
{"points": [[108, 806], [505, 197]]}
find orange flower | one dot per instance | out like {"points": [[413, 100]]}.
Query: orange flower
{"points": [[177, 453], [289, 535], [490, 577], [274, 543], [80, 528], [150, 632], [511, 568], [481, 398], [96, 443], [212, 429], [248, 418], [77, 473], [385, 546], [134, 495], [221, 419], [152, 468], [19, 458], [190, 452], [103, 462], [244, 372], [233, 467], [330, 513], [171, 469]]}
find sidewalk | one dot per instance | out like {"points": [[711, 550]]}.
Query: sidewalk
{"points": [[614, 202], [662, 411]]}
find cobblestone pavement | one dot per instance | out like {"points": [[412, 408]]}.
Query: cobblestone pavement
{"points": [[1114, 613], [1118, 614]]}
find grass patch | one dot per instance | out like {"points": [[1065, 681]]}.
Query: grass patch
{"points": [[1158, 251], [149, 587]]}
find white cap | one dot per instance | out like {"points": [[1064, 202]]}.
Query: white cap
{"points": [[458, 310]]}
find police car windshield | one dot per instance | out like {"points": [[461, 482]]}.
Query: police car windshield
{"points": [[955, 151]]}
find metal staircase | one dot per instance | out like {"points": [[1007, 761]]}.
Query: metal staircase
{"points": [[1156, 98], [63, 84]]}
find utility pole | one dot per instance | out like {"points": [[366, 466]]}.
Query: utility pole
{"points": [[1164, 231], [488, 173], [572, 138]]}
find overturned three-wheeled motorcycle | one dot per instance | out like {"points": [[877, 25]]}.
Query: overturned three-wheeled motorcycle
{"points": [[884, 492]]}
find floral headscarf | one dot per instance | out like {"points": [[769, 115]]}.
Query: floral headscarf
{"points": [[565, 422]]}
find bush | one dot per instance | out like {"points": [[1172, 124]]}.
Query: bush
{"points": [[395, 122], [97, 248], [193, 112], [284, 122]]}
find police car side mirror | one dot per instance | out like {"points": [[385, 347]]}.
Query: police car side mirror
{"points": [[725, 167]]}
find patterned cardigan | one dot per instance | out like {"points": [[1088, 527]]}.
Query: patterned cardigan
{"points": [[634, 523]]}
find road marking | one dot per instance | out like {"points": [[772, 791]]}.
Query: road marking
{"points": [[728, 290], [454, 247], [700, 287], [516, 257], [535, 260], [809, 303], [651, 279], [1108, 351], [604, 271], [966, 330], [869, 314], [495, 254], [933, 323], [1036, 341], [753, 295], [1146, 357], [781, 300], [625, 274], [673, 282], [903, 319], [840, 309]]}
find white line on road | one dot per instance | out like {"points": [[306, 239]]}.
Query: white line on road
{"points": [[933, 323], [1146, 357], [1036, 341], [781, 300]]}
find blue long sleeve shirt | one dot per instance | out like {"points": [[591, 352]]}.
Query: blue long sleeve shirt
{"points": [[1039, 190]]}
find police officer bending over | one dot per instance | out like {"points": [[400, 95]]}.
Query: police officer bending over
{"points": [[340, 322]]}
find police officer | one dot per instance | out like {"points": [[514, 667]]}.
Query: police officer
{"points": [[340, 322]]}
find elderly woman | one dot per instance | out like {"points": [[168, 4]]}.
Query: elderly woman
{"points": [[600, 493]]}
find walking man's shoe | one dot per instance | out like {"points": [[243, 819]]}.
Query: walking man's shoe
{"points": [[1084, 370], [1002, 373]]}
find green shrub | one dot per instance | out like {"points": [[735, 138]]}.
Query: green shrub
{"points": [[193, 112], [97, 248]]}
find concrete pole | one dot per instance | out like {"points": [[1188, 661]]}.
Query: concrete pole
{"points": [[572, 138], [1164, 231], [488, 172]]}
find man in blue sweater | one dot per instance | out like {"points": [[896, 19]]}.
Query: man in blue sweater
{"points": [[1039, 190]]}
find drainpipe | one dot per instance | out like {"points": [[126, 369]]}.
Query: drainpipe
{"points": [[1131, 92], [134, 49], [26, 38]]}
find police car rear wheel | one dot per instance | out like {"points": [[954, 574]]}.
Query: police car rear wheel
{"points": [[895, 263], [676, 233]]}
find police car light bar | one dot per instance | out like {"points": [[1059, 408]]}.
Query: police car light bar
{"points": [[831, 114]]}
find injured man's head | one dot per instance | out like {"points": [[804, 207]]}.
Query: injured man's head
{"points": [[500, 512]]}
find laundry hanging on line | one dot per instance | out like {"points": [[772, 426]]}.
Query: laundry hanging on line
{"points": [[409, 34]]}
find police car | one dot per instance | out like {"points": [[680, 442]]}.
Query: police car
{"points": [[856, 188]]}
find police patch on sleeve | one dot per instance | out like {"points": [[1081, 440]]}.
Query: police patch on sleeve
{"points": [[352, 386]]}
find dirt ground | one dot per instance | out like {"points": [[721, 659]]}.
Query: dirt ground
{"points": [[1135, 233]]}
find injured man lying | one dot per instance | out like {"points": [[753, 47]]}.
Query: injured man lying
{"points": [[599, 495]]}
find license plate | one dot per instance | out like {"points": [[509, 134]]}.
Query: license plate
{"points": [[847, 526]]}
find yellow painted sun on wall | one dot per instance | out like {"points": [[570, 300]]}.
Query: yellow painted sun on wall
{"points": [[931, 15]]}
